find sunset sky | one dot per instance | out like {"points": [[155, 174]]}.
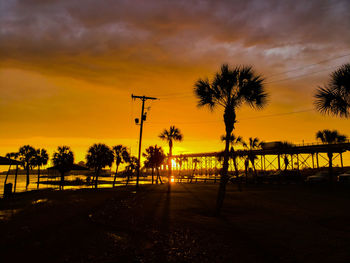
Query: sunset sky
{"points": [[68, 69]]}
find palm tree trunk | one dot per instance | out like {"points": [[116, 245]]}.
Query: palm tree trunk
{"points": [[7, 175], [115, 176], [62, 181], [255, 172], [158, 176], [14, 188], [152, 175], [330, 168], [27, 172], [170, 164], [237, 173], [246, 166], [224, 177], [38, 177], [97, 174]]}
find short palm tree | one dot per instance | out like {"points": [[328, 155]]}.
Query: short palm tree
{"points": [[171, 135], [154, 159], [283, 149], [334, 98], [330, 137], [233, 141], [181, 160], [230, 89], [195, 162], [63, 160], [121, 155], [98, 157], [41, 157], [254, 144], [26, 155], [130, 169]]}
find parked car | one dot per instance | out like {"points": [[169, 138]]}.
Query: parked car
{"points": [[344, 177], [319, 177]]}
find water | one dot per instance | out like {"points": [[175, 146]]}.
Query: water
{"points": [[104, 182]]}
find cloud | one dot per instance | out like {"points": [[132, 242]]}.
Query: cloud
{"points": [[97, 38]]}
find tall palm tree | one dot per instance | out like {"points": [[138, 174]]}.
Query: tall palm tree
{"points": [[330, 137], [98, 157], [26, 156], [121, 155], [230, 89], [334, 98], [254, 144], [41, 157], [171, 135], [63, 160], [154, 159]]}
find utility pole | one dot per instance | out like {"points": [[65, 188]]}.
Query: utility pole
{"points": [[143, 118]]}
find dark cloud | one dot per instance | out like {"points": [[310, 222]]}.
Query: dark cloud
{"points": [[98, 37]]}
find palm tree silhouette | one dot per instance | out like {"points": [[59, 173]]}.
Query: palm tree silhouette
{"points": [[195, 162], [181, 159], [283, 148], [154, 159], [63, 159], [334, 98], [26, 155], [131, 168], [254, 144], [233, 141], [98, 157], [330, 137], [230, 89], [171, 135], [40, 158], [121, 155]]}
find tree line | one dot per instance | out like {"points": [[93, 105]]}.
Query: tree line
{"points": [[98, 157]]}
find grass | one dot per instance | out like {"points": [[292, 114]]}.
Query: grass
{"points": [[263, 223]]}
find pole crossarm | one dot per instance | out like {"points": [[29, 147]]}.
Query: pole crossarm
{"points": [[143, 97]]}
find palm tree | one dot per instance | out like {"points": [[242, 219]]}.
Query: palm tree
{"points": [[121, 155], [171, 135], [330, 137], [63, 160], [284, 148], [131, 167], [254, 144], [154, 159], [246, 167], [233, 141], [98, 157], [230, 89], [334, 98], [181, 159], [195, 161], [41, 157], [26, 156]]}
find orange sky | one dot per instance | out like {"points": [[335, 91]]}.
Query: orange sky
{"points": [[67, 71]]}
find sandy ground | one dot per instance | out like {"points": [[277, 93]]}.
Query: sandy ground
{"points": [[263, 223]]}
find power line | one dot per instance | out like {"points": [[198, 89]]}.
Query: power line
{"points": [[189, 94], [296, 77], [303, 67], [250, 118]]}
